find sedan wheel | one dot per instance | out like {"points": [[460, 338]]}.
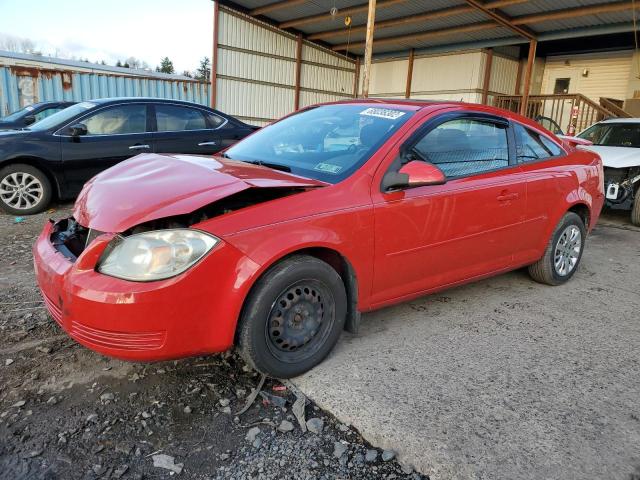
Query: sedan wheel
{"points": [[293, 317], [563, 253], [568, 249], [23, 189]]}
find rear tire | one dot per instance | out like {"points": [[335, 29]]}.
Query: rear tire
{"points": [[635, 210], [293, 317], [563, 253], [24, 190]]}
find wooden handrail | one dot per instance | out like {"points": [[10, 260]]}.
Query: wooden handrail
{"points": [[613, 107], [571, 112]]}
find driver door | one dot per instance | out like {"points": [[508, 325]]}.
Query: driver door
{"points": [[114, 134], [432, 236]]}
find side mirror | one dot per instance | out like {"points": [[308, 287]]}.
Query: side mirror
{"points": [[416, 173], [29, 119], [78, 130]]}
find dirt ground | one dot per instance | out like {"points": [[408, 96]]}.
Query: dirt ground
{"points": [[67, 413]]}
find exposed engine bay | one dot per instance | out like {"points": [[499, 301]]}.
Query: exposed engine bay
{"points": [[70, 238], [621, 186]]}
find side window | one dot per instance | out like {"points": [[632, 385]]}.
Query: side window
{"points": [[531, 146], [173, 118], [465, 147], [122, 119], [46, 112], [215, 120]]}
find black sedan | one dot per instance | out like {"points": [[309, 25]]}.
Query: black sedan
{"points": [[31, 114], [57, 155]]}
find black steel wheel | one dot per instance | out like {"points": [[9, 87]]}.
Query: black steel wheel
{"points": [[293, 317]]}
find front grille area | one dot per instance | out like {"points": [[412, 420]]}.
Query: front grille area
{"points": [[138, 341], [53, 309], [70, 238]]}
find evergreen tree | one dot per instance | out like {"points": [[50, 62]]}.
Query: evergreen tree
{"points": [[166, 66]]}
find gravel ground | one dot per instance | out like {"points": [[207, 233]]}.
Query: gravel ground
{"points": [[67, 413]]}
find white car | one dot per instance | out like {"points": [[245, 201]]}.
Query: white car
{"points": [[617, 141]]}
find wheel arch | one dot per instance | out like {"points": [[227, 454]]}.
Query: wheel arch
{"points": [[583, 211], [336, 260], [40, 164]]}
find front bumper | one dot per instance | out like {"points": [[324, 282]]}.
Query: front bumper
{"points": [[191, 314]]}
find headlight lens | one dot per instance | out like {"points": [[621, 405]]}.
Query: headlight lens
{"points": [[156, 255]]}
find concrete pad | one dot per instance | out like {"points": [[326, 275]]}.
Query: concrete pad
{"points": [[506, 378]]}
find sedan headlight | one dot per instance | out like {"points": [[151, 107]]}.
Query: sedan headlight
{"points": [[155, 255]]}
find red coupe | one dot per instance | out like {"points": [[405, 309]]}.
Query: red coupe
{"points": [[281, 242]]}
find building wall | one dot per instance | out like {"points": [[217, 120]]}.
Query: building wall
{"points": [[607, 74], [256, 70], [455, 76], [23, 82]]}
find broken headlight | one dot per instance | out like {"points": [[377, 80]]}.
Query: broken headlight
{"points": [[155, 255]]}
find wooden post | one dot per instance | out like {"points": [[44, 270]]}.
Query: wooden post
{"points": [[527, 77], [214, 56], [487, 76], [368, 47], [356, 78], [296, 95], [407, 89]]}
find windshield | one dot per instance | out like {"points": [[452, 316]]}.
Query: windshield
{"points": [[613, 134], [18, 114], [59, 118], [325, 143]]}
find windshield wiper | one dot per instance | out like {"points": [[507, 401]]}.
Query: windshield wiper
{"points": [[275, 166]]}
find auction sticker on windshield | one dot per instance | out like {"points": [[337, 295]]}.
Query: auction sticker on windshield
{"points": [[327, 167], [383, 113]]}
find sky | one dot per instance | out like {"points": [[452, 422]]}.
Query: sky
{"points": [[113, 30]]}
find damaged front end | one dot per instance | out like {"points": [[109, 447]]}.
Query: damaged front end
{"points": [[621, 187], [70, 238]]}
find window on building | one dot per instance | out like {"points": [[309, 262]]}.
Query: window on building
{"points": [[561, 86]]}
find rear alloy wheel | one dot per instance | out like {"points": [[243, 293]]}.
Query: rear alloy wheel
{"points": [[24, 189], [563, 253], [293, 317]]}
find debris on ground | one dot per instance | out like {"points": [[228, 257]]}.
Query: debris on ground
{"points": [[69, 413]]}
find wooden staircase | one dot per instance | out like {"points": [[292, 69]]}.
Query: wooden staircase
{"points": [[572, 112]]}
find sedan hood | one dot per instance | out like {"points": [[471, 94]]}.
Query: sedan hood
{"points": [[151, 186], [617, 157]]}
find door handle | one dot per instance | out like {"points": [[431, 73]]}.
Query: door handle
{"points": [[504, 197], [139, 147], [207, 144]]}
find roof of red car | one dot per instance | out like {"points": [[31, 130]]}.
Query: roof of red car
{"points": [[412, 104]]}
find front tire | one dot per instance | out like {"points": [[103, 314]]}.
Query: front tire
{"points": [[635, 211], [293, 317], [24, 190], [563, 253]]}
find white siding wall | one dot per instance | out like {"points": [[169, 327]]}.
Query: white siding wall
{"points": [[456, 77], [256, 71], [608, 74]]}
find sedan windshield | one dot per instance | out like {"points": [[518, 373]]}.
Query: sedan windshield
{"points": [[613, 134], [18, 114], [325, 143], [61, 117]]}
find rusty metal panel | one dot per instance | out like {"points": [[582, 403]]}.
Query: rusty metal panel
{"points": [[27, 79]]}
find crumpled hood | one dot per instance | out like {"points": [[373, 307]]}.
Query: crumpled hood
{"points": [[152, 186], [617, 157]]}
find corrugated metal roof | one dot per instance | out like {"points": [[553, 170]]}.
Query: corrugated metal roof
{"points": [[52, 62], [410, 8]]}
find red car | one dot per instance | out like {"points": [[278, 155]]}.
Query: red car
{"points": [[280, 243]]}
